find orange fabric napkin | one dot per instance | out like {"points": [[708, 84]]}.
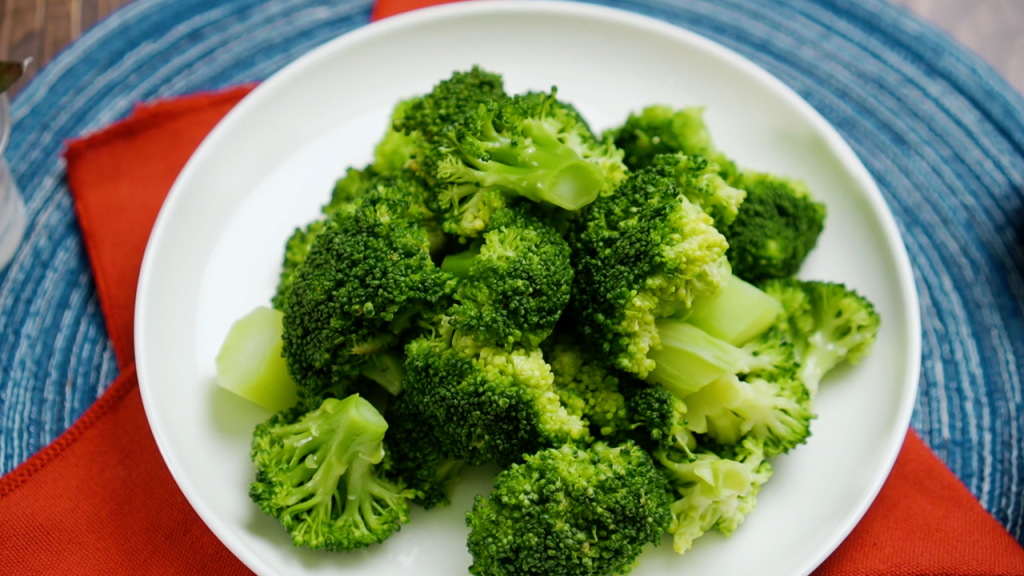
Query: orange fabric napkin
{"points": [[100, 500]]}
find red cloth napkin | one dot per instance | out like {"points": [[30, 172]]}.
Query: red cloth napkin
{"points": [[100, 500]]}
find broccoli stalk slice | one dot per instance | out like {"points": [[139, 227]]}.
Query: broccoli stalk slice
{"points": [[539, 167], [690, 358], [736, 313], [250, 364]]}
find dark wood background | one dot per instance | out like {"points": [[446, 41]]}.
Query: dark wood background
{"points": [[40, 28]]}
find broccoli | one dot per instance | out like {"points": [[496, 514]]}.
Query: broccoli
{"points": [[512, 284], [699, 180], [657, 417], [660, 129], [570, 511], [473, 138], [418, 456], [777, 225], [486, 405], [716, 490], [644, 253], [347, 191], [318, 473], [587, 389], [366, 280], [828, 324]]}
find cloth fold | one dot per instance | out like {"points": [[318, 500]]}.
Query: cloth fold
{"points": [[100, 500]]}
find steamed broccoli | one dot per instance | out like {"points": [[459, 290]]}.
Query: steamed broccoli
{"points": [[778, 224], [828, 324], [318, 473], [700, 182], [587, 389], [569, 511], [486, 405], [661, 129], [716, 490], [347, 191], [644, 253], [514, 282], [473, 138], [366, 279]]}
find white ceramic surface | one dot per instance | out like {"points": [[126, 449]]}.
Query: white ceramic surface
{"points": [[268, 166]]}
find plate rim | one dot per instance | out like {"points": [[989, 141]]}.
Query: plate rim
{"points": [[850, 160]]}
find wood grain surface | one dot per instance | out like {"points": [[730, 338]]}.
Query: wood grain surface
{"points": [[41, 28]]}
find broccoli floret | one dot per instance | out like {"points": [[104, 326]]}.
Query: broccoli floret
{"points": [[657, 417], [513, 284], [570, 511], [366, 280], [587, 389], [318, 473], [418, 457], [347, 192], [716, 491], [700, 182], [486, 405], [828, 324], [641, 254], [474, 137], [778, 224], [661, 129]]}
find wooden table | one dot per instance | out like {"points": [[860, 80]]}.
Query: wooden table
{"points": [[40, 28]]}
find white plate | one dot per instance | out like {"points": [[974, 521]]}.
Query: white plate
{"points": [[269, 165]]}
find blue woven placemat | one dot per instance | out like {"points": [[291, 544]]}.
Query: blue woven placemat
{"points": [[940, 131]]}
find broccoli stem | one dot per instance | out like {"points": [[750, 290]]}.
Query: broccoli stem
{"points": [[690, 358], [386, 369], [459, 264], [737, 312]]}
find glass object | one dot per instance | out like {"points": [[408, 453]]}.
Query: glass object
{"points": [[12, 206]]}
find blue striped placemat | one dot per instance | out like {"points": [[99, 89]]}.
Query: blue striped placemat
{"points": [[940, 131]]}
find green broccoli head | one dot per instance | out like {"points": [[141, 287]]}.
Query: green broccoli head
{"points": [[418, 456], [777, 225], [657, 417], [487, 405], [701, 183], [450, 102], [641, 254], [515, 283], [715, 490], [661, 129], [828, 324], [317, 473], [587, 388], [367, 279], [569, 511]]}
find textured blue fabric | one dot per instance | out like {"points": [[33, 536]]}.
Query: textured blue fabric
{"points": [[940, 131]]}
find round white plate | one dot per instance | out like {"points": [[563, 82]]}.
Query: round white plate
{"points": [[267, 167]]}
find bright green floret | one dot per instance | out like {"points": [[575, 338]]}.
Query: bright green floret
{"points": [[700, 181], [570, 511], [588, 389], [486, 405], [644, 253], [777, 226], [365, 282], [828, 324], [661, 129], [476, 139], [715, 491], [514, 283], [318, 473]]}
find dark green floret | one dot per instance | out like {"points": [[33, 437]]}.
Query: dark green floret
{"points": [[643, 253], [828, 324], [588, 389], [319, 474], [486, 405], [366, 280], [570, 511], [777, 226], [514, 283], [663, 130]]}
